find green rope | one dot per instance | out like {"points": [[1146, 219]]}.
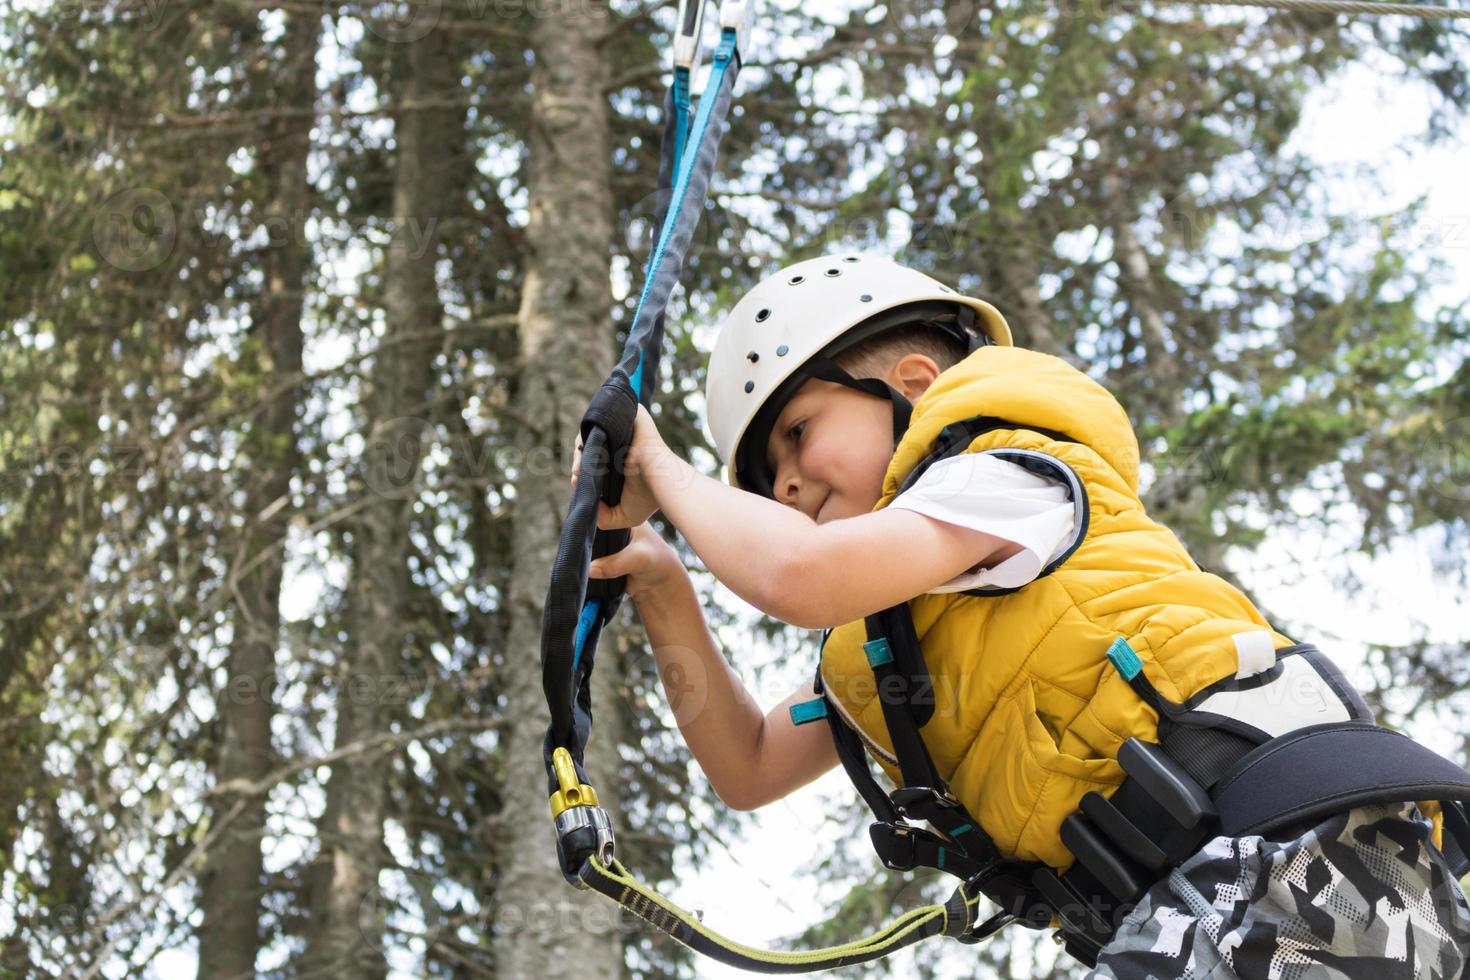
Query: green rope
{"points": [[1428, 11]]}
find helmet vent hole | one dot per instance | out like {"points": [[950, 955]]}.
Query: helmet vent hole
{"points": [[797, 280], [834, 272], [781, 351], [866, 297], [753, 357], [762, 315], [749, 387], [850, 258]]}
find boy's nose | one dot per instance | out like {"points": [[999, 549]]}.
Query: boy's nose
{"points": [[788, 487]]}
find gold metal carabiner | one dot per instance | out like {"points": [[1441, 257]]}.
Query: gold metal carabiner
{"points": [[572, 792]]}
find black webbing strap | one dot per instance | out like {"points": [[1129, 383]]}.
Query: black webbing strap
{"points": [[900, 846], [906, 695], [961, 847], [1285, 781], [1456, 837], [905, 690], [575, 612], [825, 369], [854, 759]]}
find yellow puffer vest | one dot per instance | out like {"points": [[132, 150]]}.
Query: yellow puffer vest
{"points": [[1028, 712]]}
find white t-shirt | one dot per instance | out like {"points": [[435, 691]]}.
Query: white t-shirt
{"points": [[993, 495]]}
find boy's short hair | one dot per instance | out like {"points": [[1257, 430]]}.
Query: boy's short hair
{"points": [[872, 357]]}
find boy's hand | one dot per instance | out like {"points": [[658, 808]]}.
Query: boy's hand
{"points": [[637, 503], [648, 561]]}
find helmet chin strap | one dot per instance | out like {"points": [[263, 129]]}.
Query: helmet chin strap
{"points": [[825, 369]]}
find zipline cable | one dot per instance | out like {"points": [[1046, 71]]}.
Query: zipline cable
{"points": [[1427, 11]]}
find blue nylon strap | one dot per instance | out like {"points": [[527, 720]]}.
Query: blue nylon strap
{"points": [[714, 93], [590, 609], [676, 108], [878, 652], [681, 112], [637, 380], [1125, 659], [806, 711]]}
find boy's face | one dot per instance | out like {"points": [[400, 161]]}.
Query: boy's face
{"points": [[831, 445]]}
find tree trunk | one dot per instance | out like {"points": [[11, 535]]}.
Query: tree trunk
{"points": [[346, 933], [566, 353], [232, 880], [1136, 284]]}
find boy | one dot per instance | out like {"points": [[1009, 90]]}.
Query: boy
{"points": [[902, 457]]}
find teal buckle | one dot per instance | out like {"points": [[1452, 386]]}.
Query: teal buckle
{"points": [[806, 711], [1125, 659], [878, 652]]}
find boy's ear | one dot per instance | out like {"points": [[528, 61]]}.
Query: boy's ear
{"points": [[913, 374]]}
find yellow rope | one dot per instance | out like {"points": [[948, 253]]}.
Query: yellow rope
{"points": [[658, 911]]}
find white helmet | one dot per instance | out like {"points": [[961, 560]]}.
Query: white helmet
{"points": [[787, 328]]}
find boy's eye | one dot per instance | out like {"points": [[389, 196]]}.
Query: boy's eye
{"points": [[794, 432]]}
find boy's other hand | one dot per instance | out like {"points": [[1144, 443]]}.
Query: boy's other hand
{"points": [[637, 503], [648, 561]]}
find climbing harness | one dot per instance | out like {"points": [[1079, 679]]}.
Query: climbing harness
{"points": [[1209, 774], [1203, 777]]}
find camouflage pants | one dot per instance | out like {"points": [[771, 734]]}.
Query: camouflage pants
{"points": [[1364, 894]]}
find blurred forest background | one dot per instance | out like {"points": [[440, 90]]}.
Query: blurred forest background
{"points": [[302, 304]]}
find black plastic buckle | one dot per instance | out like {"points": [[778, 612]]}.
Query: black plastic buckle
{"points": [[1114, 871], [902, 847], [1008, 884], [1081, 923], [896, 845], [1133, 842], [1166, 782]]}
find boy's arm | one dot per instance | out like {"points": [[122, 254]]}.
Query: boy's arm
{"points": [[806, 574], [750, 760]]}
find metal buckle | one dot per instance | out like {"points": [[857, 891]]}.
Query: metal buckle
{"points": [[896, 844], [581, 832], [736, 15], [913, 801], [687, 33], [582, 826]]}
